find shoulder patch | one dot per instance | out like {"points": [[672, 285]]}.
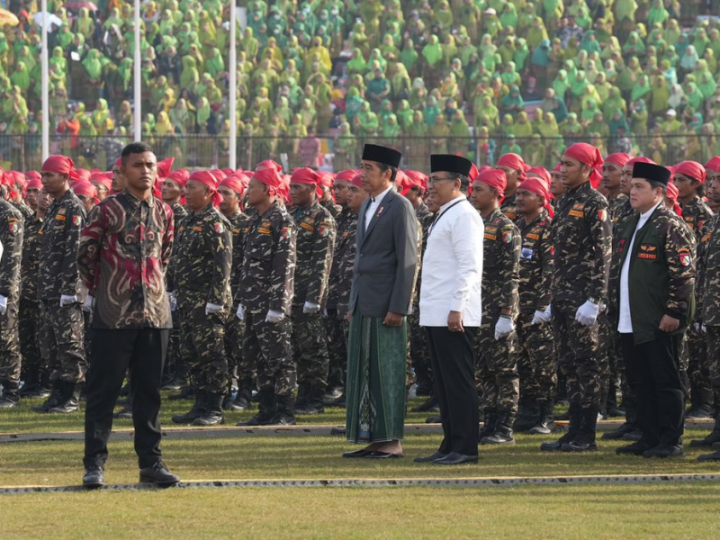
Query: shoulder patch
{"points": [[76, 220], [219, 228], [286, 233], [602, 215], [507, 237]]}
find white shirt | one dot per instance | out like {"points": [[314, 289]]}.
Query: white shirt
{"points": [[373, 206], [625, 323], [452, 266]]}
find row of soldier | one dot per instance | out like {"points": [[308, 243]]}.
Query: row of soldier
{"points": [[259, 281]]}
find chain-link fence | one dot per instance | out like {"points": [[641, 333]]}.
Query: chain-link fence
{"points": [[23, 152]]}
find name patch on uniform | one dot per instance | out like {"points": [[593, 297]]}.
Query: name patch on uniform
{"points": [[491, 230], [576, 213], [236, 231], [490, 236], [60, 218], [198, 229], [62, 211], [649, 256], [263, 230], [706, 237], [532, 236], [265, 224], [307, 226], [526, 253]]}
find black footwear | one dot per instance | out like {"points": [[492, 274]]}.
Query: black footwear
{"points": [[176, 383], [544, 424], [68, 399], [665, 451], [584, 441], [634, 435], [267, 410], [430, 405], [159, 475], [242, 401], [428, 459], [635, 449], [618, 433], [285, 411], [453, 458], [715, 456], [711, 439], [615, 412], [527, 416], [362, 453], [31, 383], [52, 400], [702, 412], [424, 389], [94, 477], [186, 392], [125, 413], [489, 425], [313, 402], [503, 433], [8, 401], [338, 431], [383, 455], [302, 395], [575, 414], [211, 413], [433, 420], [196, 411]]}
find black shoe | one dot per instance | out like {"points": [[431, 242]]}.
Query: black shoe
{"points": [[94, 477], [424, 389], [433, 420], [618, 433], [383, 455], [502, 434], [68, 399], [332, 395], [242, 401], [430, 405], [665, 451], [211, 413], [711, 439], [190, 416], [313, 402], [578, 446], [616, 412], [186, 392], [362, 453], [125, 413], [488, 426], [635, 449], [176, 383], [715, 456], [267, 410], [701, 412], [285, 411], [428, 459], [453, 458], [338, 431], [159, 475], [52, 399], [9, 401], [634, 435]]}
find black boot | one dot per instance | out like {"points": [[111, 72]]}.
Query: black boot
{"points": [[489, 425], [503, 433], [618, 433], [527, 415], [711, 439], [10, 394], [313, 403], [68, 400], [267, 410], [44, 387], [186, 392], [285, 412], [431, 405], [703, 404], [52, 400], [176, 383], [242, 401], [196, 411], [585, 439], [575, 414], [31, 383], [302, 395], [212, 413], [544, 424]]}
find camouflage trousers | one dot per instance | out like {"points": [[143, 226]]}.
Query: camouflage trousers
{"points": [[267, 346], [336, 328], [87, 335], [10, 359], [713, 363], [419, 351], [697, 356], [310, 353], [497, 369], [62, 335], [242, 369], [202, 345], [537, 362], [577, 348], [29, 323]]}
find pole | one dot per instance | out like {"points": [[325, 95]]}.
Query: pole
{"points": [[233, 86], [137, 75], [45, 90]]}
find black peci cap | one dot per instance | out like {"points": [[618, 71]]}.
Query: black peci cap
{"points": [[450, 163], [651, 172], [381, 154]]}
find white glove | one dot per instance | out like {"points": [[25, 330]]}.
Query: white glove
{"points": [[3, 304], [67, 300], [311, 308], [211, 309], [88, 305], [274, 316], [173, 301], [240, 312], [505, 326], [704, 329], [541, 317], [587, 314], [699, 327]]}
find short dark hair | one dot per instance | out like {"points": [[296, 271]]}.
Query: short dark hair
{"points": [[135, 148], [655, 185], [464, 180], [384, 167]]}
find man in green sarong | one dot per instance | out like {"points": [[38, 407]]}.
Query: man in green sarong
{"points": [[382, 290]]}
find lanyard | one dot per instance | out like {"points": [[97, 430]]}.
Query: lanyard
{"points": [[432, 226]]}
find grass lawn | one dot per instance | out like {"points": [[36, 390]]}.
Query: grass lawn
{"points": [[591, 512]]}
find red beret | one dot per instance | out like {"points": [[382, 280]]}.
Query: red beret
{"points": [[83, 187], [207, 178], [304, 175], [59, 165], [495, 178], [327, 179], [346, 175], [691, 169], [234, 183], [588, 155], [619, 158], [514, 161], [542, 173]]}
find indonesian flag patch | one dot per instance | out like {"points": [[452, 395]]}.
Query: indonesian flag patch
{"points": [[286, 233], [76, 221], [685, 259], [219, 228], [602, 215], [14, 228], [507, 237]]}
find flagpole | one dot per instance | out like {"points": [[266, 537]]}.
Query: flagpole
{"points": [[232, 67], [137, 74], [44, 82]]}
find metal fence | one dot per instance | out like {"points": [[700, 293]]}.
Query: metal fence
{"points": [[23, 152]]}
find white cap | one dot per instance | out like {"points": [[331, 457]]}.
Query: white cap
{"points": [[491, 11], [671, 112]]}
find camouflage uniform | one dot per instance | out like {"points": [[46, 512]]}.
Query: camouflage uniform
{"points": [[497, 359], [537, 362], [30, 315], [315, 242], [581, 235], [11, 236], [508, 208], [708, 303], [63, 332], [175, 363], [266, 283], [23, 208], [334, 209], [235, 329], [201, 272], [418, 349], [696, 214], [339, 297]]}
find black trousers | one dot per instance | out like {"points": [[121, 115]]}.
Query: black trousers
{"points": [[453, 365], [143, 352], [653, 374]]}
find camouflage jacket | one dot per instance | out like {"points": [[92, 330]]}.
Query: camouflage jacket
{"points": [[31, 258], [24, 209], [501, 264], [124, 253], [581, 236], [334, 209], [202, 258], [707, 291], [58, 273], [239, 225], [425, 219], [696, 213], [268, 268], [341, 272], [179, 214], [536, 263], [316, 232], [661, 276], [620, 211], [508, 207], [11, 236]]}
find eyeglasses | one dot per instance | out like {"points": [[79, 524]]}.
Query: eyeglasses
{"points": [[434, 180]]}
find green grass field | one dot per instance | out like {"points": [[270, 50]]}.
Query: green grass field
{"points": [[596, 511]]}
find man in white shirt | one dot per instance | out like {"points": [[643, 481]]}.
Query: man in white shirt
{"points": [[451, 307], [654, 292]]}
